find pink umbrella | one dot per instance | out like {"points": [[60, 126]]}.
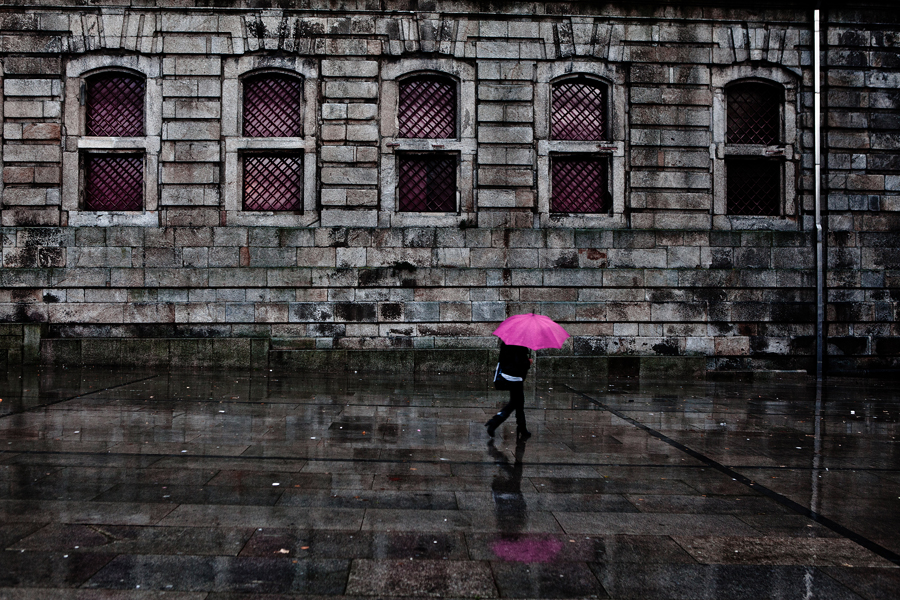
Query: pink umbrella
{"points": [[532, 331]]}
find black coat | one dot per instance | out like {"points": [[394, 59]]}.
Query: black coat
{"points": [[514, 360]]}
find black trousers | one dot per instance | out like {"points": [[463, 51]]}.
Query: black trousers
{"points": [[516, 403]]}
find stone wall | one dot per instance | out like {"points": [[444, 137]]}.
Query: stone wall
{"points": [[666, 278], [863, 181]]}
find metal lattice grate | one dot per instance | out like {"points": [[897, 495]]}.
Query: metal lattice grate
{"points": [[273, 106], [114, 105], [273, 182], [579, 111], [753, 114], [580, 185], [754, 186], [427, 108], [113, 182], [427, 183]]}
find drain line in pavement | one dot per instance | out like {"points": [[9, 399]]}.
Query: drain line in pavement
{"points": [[61, 400], [878, 549]]}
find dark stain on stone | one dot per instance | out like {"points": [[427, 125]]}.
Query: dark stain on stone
{"points": [[391, 311], [667, 348], [887, 346], [355, 312], [849, 346], [569, 261]]}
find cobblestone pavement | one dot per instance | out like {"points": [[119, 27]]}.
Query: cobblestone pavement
{"points": [[223, 485]]}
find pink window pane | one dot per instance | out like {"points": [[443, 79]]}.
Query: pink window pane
{"points": [[427, 183], [753, 114], [273, 182], [114, 105], [273, 106], [578, 111], [113, 182], [427, 108], [753, 186], [580, 185]]}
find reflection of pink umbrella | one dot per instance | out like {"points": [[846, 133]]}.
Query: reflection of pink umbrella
{"points": [[532, 331], [528, 549]]}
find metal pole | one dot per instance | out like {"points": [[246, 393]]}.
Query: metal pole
{"points": [[820, 258], [815, 485]]}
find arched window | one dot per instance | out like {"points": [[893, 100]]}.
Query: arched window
{"points": [[753, 182], [754, 115], [578, 111], [114, 107], [580, 177], [426, 109], [272, 108]]}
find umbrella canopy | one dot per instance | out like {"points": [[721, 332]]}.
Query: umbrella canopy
{"points": [[532, 331]]}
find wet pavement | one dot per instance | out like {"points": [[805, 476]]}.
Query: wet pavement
{"points": [[224, 485]]}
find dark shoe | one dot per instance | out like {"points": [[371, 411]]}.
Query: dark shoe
{"points": [[522, 434], [492, 425]]}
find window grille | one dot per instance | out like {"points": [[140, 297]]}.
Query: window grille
{"points": [[273, 106], [754, 186], [114, 105], [753, 114], [113, 181], [578, 111], [427, 183], [580, 184], [427, 108], [273, 182]]}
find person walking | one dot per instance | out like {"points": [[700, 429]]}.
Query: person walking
{"points": [[519, 334], [514, 364]]}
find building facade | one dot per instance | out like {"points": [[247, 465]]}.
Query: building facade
{"points": [[376, 184]]}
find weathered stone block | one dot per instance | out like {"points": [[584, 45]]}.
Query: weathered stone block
{"points": [[505, 93], [315, 257], [506, 176], [193, 66], [26, 196], [362, 133], [351, 89], [488, 311], [793, 258], [646, 258], [191, 130], [240, 277], [31, 153], [505, 135], [350, 176], [752, 258], [350, 68], [31, 87], [41, 131]]}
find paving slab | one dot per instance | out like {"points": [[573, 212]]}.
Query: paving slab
{"points": [[225, 485]]}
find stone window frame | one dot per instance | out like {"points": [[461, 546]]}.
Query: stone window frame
{"points": [[2, 163], [76, 143], [235, 71], [789, 82], [463, 146], [613, 77]]}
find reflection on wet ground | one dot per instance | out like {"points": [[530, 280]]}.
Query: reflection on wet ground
{"points": [[222, 485]]}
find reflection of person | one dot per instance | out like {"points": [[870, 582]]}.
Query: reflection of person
{"points": [[514, 364], [506, 489]]}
